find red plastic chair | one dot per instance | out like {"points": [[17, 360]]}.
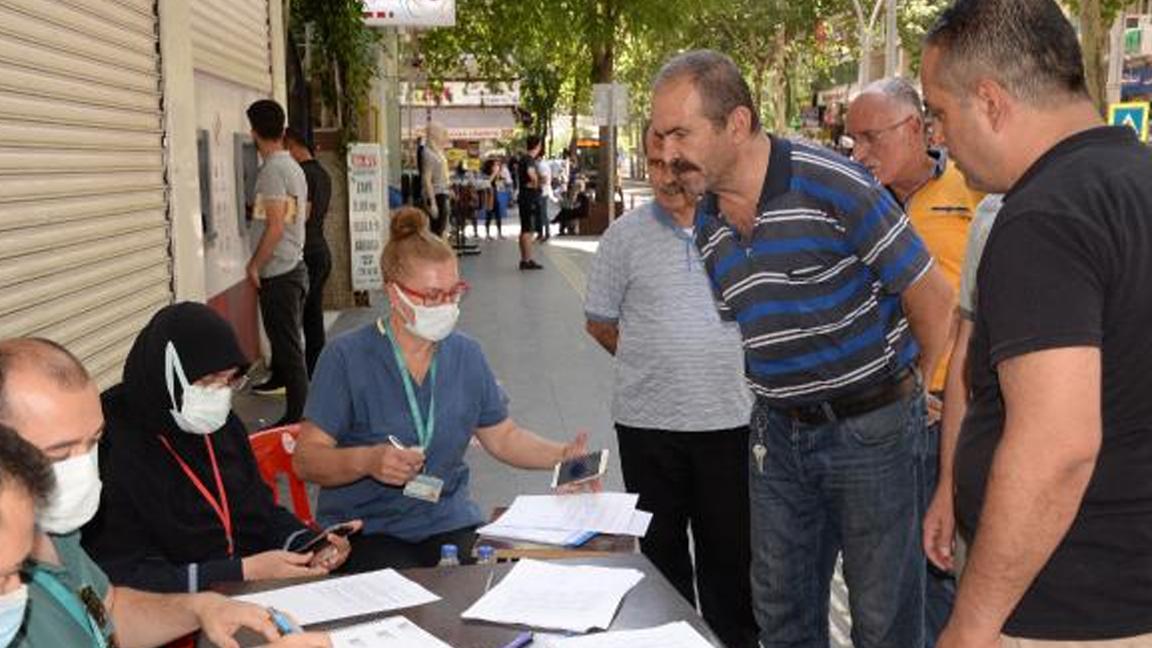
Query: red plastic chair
{"points": [[184, 642], [273, 449]]}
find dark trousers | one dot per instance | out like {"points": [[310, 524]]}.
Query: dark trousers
{"points": [[319, 263], [282, 308], [698, 479], [443, 209], [378, 551]]}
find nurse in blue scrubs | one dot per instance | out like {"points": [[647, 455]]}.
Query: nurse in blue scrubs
{"points": [[393, 406]]}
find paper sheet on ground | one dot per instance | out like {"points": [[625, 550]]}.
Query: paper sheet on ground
{"points": [[600, 512], [575, 598], [393, 632], [673, 635], [340, 598]]}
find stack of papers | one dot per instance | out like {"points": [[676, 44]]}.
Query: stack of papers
{"points": [[673, 635], [393, 632], [574, 598], [340, 598], [569, 520]]}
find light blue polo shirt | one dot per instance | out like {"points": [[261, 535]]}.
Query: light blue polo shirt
{"points": [[357, 397]]}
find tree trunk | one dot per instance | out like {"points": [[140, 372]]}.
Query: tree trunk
{"points": [[603, 63], [1092, 36]]}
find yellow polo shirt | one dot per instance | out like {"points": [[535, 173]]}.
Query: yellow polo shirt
{"points": [[941, 212]]}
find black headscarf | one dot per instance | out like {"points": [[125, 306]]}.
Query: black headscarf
{"points": [[205, 343], [152, 521]]}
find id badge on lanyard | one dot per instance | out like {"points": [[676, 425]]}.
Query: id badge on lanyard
{"points": [[423, 487]]}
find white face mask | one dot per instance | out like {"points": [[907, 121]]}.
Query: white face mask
{"points": [[12, 606], [205, 409], [433, 323], [77, 494]]}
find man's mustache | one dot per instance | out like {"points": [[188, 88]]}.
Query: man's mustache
{"points": [[680, 167]]}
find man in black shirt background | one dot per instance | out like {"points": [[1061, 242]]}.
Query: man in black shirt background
{"points": [[317, 257], [528, 200], [1054, 462]]}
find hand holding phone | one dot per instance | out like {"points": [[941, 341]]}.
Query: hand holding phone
{"points": [[580, 469], [328, 545]]}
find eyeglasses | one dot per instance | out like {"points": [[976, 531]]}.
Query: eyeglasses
{"points": [[870, 137], [436, 297], [235, 383]]}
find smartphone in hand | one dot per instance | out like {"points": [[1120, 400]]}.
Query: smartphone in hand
{"points": [[318, 543], [580, 469]]}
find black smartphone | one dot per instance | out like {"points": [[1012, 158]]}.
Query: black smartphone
{"points": [[320, 541]]}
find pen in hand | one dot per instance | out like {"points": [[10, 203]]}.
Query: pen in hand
{"points": [[284, 624]]}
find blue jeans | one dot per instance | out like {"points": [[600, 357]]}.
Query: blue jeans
{"points": [[852, 485]]}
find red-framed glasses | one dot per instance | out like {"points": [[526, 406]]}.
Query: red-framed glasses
{"points": [[436, 297]]}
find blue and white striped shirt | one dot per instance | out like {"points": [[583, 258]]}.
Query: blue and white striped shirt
{"points": [[816, 290]]}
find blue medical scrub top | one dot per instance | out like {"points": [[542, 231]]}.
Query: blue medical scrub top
{"points": [[357, 397]]}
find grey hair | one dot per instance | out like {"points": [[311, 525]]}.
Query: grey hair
{"points": [[900, 90], [1027, 46], [717, 79]]}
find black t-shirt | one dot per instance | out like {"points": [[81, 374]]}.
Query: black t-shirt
{"points": [[527, 163], [1069, 263], [319, 194]]}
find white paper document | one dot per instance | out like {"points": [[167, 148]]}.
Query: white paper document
{"points": [[600, 512], [393, 632], [340, 598], [574, 598], [558, 537], [673, 635]]}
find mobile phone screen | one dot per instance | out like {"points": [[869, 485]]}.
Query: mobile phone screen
{"points": [[579, 468], [320, 540]]}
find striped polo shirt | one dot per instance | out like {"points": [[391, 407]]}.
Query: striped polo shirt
{"points": [[816, 290]]}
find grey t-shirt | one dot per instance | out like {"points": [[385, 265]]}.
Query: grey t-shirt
{"points": [[281, 179], [977, 236], [678, 366]]}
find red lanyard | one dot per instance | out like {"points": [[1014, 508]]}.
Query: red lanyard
{"points": [[219, 506]]}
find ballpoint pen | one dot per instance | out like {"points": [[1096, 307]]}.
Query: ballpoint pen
{"points": [[521, 640], [283, 623]]}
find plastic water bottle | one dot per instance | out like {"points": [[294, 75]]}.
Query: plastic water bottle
{"points": [[449, 556], [485, 555]]}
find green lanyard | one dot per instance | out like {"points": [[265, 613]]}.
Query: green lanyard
{"points": [[424, 431], [71, 603]]}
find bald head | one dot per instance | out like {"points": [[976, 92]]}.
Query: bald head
{"points": [[48, 397], [43, 357]]}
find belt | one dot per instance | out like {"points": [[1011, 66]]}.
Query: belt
{"points": [[857, 403]]}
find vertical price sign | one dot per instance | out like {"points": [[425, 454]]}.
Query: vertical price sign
{"points": [[366, 214]]}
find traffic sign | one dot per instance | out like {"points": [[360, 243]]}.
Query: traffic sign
{"points": [[1133, 115]]}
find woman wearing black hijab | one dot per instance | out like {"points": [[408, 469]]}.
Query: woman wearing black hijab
{"points": [[183, 505]]}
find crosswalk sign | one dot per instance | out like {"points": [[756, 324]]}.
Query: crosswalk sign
{"points": [[1133, 115]]}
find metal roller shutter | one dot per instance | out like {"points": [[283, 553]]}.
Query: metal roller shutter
{"points": [[84, 238], [230, 39]]}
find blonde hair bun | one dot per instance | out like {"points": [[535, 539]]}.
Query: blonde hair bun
{"points": [[407, 222]]}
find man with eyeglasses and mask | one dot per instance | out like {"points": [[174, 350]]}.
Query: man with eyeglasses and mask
{"points": [[47, 396], [887, 123]]}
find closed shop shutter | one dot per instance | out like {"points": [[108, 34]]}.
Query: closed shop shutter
{"points": [[84, 237], [230, 39]]}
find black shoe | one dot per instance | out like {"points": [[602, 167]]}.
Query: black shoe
{"points": [[530, 265]]}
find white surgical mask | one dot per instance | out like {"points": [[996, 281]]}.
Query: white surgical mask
{"points": [[205, 409], [12, 607], [433, 323], [77, 494]]}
